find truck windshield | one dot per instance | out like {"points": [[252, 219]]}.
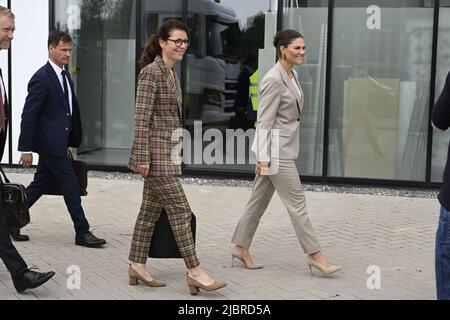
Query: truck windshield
{"points": [[222, 40]]}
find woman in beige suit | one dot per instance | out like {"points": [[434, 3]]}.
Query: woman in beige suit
{"points": [[157, 118], [276, 147]]}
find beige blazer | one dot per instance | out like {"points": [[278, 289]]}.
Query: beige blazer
{"points": [[278, 125]]}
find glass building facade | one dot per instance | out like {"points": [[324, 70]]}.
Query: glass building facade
{"points": [[371, 75]]}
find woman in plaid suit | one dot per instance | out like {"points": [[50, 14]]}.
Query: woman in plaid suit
{"points": [[157, 117]]}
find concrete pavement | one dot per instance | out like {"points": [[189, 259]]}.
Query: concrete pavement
{"points": [[390, 235]]}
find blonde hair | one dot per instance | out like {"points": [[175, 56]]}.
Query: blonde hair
{"points": [[6, 12]]}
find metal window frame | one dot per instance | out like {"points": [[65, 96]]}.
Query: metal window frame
{"points": [[432, 89], [10, 99]]}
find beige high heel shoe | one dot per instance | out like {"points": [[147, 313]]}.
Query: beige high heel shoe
{"points": [[195, 286], [134, 278], [324, 269], [237, 255]]}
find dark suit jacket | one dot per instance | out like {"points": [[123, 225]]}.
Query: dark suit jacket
{"points": [[3, 134], [46, 119]]}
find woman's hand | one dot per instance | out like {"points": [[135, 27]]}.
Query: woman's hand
{"points": [[262, 169], [144, 170]]}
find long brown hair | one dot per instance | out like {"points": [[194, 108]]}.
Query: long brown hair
{"points": [[152, 48]]}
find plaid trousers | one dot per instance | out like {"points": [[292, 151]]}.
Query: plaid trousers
{"points": [[164, 192]]}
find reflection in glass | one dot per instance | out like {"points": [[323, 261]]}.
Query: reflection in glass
{"points": [[312, 23], [220, 64], [380, 93], [440, 140], [103, 69]]}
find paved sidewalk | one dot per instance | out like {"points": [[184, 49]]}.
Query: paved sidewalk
{"points": [[355, 231]]}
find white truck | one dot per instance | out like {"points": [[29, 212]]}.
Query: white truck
{"points": [[212, 65]]}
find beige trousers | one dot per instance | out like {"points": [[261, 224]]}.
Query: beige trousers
{"points": [[287, 183]]}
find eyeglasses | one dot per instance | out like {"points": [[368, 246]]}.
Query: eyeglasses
{"points": [[179, 42]]}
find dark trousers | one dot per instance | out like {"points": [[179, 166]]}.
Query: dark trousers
{"points": [[442, 257], [59, 168], [8, 253]]}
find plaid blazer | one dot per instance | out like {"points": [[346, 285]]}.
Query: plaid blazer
{"points": [[157, 117]]}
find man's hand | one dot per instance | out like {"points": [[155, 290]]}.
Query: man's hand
{"points": [[436, 128], [26, 160], [262, 169], [144, 170]]}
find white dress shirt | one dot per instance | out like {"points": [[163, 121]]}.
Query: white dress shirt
{"points": [[58, 72]]}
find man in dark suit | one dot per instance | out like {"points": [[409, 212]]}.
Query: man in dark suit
{"points": [[51, 123], [22, 277]]}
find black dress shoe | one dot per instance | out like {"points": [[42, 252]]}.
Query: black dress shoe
{"points": [[89, 240], [15, 234], [32, 279]]}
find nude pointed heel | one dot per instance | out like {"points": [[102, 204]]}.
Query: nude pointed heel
{"points": [[326, 270], [195, 286], [237, 255], [232, 261], [135, 277]]}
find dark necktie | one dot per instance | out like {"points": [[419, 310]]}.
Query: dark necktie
{"points": [[66, 90], [2, 108]]}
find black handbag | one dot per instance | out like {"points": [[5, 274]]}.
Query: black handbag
{"points": [[163, 245], [14, 203], [80, 168]]}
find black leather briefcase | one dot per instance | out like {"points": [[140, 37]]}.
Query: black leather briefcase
{"points": [[14, 203], [81, 169], [163, 245]]}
